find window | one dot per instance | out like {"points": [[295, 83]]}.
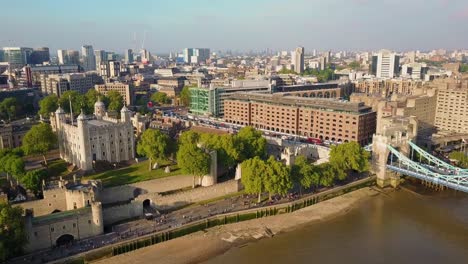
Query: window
{"points": [[51, 229], [74, 225], [89, 221]]}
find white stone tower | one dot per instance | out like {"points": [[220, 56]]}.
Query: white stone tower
{"points": [[84, 159], [125, 115]]}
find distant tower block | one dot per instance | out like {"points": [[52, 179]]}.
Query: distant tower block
{"points": [[212, 178]]}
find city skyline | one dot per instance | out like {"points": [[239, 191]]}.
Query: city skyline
{"points": [[254, 25]]}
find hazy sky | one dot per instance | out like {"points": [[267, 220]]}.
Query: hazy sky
{"points": [[171, 25]]}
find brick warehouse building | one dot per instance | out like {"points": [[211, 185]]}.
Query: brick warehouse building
{"points": [[326, 119]]}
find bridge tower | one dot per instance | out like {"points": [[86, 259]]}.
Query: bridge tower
{"points": [[394, 131]]}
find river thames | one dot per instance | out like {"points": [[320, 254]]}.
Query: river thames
{"points": [[399, 227]]}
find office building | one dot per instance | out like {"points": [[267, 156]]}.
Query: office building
{"points": [[31, 74], [386, 64], [452, 106], [122, 88], [89, 60], [325, 119], [297, 58], [100, 55], [145, 56], [17, 56], [128, 56], [66, 57], [110, 69], [387, 87], [40, 55], [60, 83], [416, 71], [187, 54]]}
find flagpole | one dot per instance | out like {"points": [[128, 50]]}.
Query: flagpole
{"points": [[71, 109]]}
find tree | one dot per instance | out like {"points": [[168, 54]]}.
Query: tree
{"points": [[189, 137], [349, 156], [460, 157], [226, 147], [116, 101], [278, 178], [77, 101], [327, 172], [39, 140], [32, 180], [305, 173], [12, 164], [48, 105], [160, 98], [91, 97], [9, 108], [185, 96], [254, 171], [12, 231], [153, 145], [355, 65], [252, 143], [193, 161]]}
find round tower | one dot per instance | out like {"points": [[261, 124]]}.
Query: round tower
{"points": [[99, 109], [125, 115], [98, 221], [85, 159]]}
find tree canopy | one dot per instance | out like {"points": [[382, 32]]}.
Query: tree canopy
{"points": [[350, 156], [9, 108], [48, 105], [39, 140], [252, 143], [460, 157], [305, 173], [193, 160], [253, 174], [153, 145], [32, 180], [12, 164], [160, 98], [12, 231], [278, 178], [77, 102], [185, 96], [116, 101]]}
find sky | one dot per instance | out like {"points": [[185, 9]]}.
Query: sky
{"points": [[244, 25]]}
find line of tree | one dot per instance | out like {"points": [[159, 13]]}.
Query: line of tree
{"points": [[113, 102], [259, 176], [460, 158], [12, 108], [161, 98], [322, 75]]}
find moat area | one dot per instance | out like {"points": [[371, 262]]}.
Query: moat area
{"points": [[400, 227]]}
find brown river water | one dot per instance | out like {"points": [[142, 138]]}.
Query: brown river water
{"points": [[399, 227]]}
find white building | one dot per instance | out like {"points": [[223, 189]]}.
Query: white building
{"points": [[415, 70], [95, 138], [297, 57], [387, 64]]}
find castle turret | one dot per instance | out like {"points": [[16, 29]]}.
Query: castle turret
{"points": [[125, 115], [83, 136], [98, 220], [99, 109]]}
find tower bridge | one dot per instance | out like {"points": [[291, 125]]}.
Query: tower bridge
{"points": [[394, 153]]}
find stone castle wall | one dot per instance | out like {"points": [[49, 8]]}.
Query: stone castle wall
{"points": [[123, 212], [172, 201]]}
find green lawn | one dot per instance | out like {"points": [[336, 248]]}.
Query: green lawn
{"points": [[57, 168], [135, 173]]}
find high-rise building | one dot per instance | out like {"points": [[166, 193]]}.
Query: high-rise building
{"points": [[414, 70], [40, 55], [89, 60], [62, 56], [145, 56], [109, 69], [17, 56], [298, 59], [100, 56], [73, 57], [128, 56], [196, 56], [387, 64], [188, 53]]}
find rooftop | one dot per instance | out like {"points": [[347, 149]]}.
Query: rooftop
{"points": [[321, 103]]}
